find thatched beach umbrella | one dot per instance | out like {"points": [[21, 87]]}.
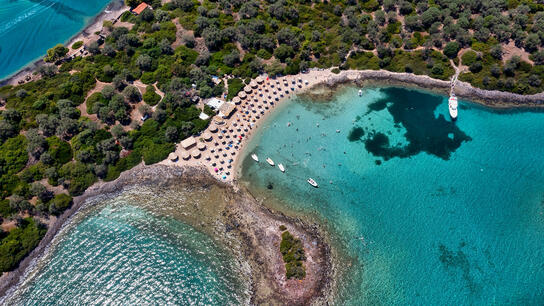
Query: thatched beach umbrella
{"points": [[253, 84], [236, 100], [259, 79], [201, 146], [248, 89], [242, 95], [213, 128], [195, 154], [207, 136], [185, 155], [173, 157]]}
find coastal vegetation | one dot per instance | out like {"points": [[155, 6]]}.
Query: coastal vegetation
{"points": [[133, 95], [293, 255]]}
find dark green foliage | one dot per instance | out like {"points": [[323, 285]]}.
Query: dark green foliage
{"points": [[13, 158], [77, 44], [469, 57], [77, 176], [59, 150], [123, 164], [60, 203], [234, 87], [93, 99], [292, 251], [150, 96], [5, 209], [56, 53], [451, 49], [19, 242]]}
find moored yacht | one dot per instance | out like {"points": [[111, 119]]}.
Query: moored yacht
{"points": [[255, 158], [282, 169], [452, 105], [269, 161]]}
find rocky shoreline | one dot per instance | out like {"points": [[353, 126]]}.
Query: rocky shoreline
{"points": [[254, 227], [490, 98]]}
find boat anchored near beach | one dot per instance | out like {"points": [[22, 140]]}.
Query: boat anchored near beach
{"points": [[360, 92], [270, 162], [452, 105], [282, 169], [255, 157], [312, 182]]}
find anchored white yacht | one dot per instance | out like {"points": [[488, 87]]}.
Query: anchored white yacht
{"points": [[282, 169], [269, 161], [255, 158], [452, 104]]}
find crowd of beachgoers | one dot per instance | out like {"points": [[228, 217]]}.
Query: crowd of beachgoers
{"points": [[219, 147]]}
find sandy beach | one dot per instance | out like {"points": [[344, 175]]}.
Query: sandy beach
{"points": [[112, 11], [220, 148]]}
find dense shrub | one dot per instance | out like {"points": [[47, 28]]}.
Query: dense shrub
{"points": [[292, 251], [150, 96], [60, 203], [19, 242], [234, 87]]}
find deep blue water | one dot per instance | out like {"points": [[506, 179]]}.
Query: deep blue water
{"points": [[131, 250], [425, 211], [29, 27]]}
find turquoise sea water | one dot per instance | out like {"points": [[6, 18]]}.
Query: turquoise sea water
{"points": [[29, 27], [426, 211], [130, 250]]}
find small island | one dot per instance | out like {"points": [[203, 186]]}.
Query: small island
{"points": [[293, 255]]}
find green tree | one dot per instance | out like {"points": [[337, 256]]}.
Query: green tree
{"points": [[56, 53], [451, 49]]}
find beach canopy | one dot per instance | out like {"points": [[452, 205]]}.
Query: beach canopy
{"points": [[195, 154], [253, 84], [173, 157], [185, 155], [201, 146], [213, 128], [259, 79], [248, 89], [189, 142], [236, 100], [242, 95], [207, 136]]}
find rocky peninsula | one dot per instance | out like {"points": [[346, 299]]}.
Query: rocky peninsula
{"points": [[252, 230]]}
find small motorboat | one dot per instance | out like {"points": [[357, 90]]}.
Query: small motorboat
{"points": [[255, 158], [360, 92], [280, 166], [270, 162], [312, 182]]}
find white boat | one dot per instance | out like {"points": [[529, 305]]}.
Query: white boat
{"points": [[282, 169], [360, 92], [452, 104], [255, 158], [269, 161], [312, 182]]}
